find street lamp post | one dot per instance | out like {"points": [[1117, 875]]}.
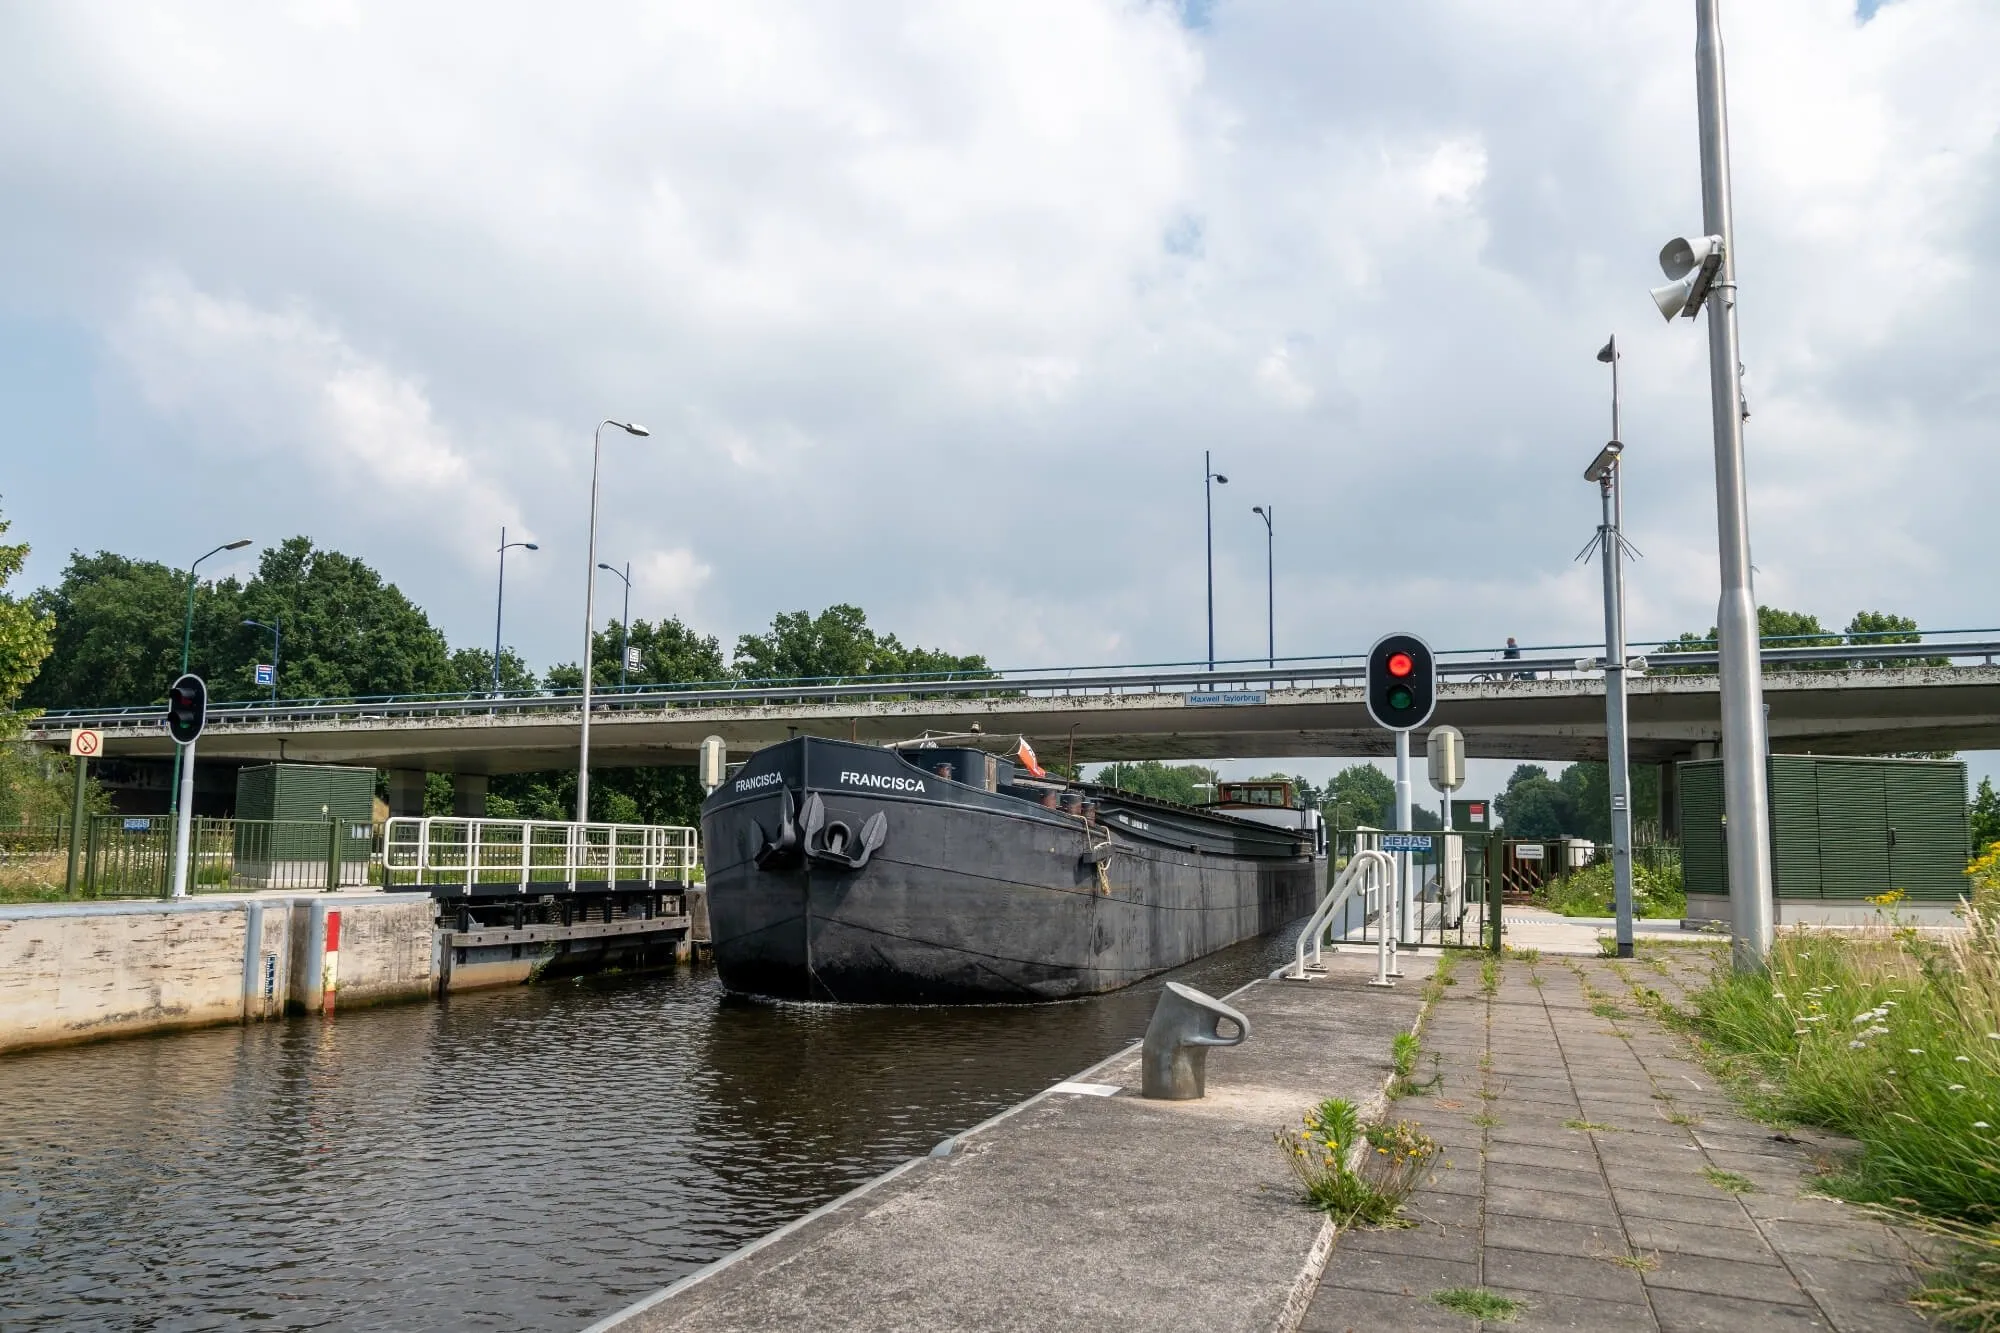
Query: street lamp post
{"points": [[590, 613], [625, 620], [1270, 586], [1702, 275], [1208, 475], [1605, 471], [500, 600], [277, 646], [187, 640]]}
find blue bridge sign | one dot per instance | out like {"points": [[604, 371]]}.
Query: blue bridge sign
{"points": [[1406, 842]]}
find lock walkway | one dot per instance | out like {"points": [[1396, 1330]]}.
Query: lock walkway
{"points": [[1077, 1210], [1596, 1174], [1590, 1172]]}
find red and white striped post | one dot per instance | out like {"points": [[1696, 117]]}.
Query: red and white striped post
{"points": [[329, 967]]}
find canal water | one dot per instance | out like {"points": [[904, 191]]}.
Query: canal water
{"points": [[531, 1158]]}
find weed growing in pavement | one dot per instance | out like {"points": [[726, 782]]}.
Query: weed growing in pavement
{"points": [[1404, 1052], [1588, 1124], [1489, 976], [1729, 1180], [1359, 1174], [1638, 1263], [1486, 1120], [1606, 1009], [1479, 1303], [1530, 956], [1535, 979]]}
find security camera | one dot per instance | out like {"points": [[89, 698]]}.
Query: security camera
{"points": [[1692, 266]]}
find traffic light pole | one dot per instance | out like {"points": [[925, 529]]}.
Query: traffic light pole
{"points": [[182, 819], [1403, 892]]}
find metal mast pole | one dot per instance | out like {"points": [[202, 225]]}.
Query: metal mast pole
{"points": [[1617, 755], [625, 627], [589, 619], [499, 605], [1208, 541], [1746, 795], [1270, 588]]}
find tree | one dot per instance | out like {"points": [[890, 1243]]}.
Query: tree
{"points": [[1778, 628], [1983, 814], [346, 632], [669, 654], [118, 631], [1189, 784], [1534, 804], [1588, 787], [472, 671], [25, 628], [837, 644], [1360, 794]]}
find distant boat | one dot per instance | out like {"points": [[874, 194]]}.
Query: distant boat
{"points": [[940, 872]]}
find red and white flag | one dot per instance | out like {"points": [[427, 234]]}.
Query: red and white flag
{"points": [[1026, 754]]}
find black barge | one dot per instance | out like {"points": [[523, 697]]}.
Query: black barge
{"points": [[948, 875]]}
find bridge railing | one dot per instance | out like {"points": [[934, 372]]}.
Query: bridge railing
{"points": [[1480, 666], [533, 856]]}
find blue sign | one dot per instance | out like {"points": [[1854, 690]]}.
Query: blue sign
{"points": [[1224, 698], [1406, 842], [266, 673], [137, 825]]}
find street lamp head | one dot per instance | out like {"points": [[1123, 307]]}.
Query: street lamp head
{"points": [[1600, 466], [237, 545], [1221, 480], [1609, 352], [631, 428], [1256, 509], [529, 546]]}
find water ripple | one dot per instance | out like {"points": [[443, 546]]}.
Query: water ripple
{"points": [[520, 1159]]}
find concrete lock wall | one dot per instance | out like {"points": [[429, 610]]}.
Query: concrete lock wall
{"points": [[82, 971]]}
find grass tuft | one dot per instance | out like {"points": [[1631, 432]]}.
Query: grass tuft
{"points": [[1729, 1180], [1589, 1124], [1489, 976], [1479, 1303]]}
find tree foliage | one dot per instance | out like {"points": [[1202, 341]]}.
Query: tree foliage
{"points": [[837, 644], [25, 628], [1778, 628], [1983, 814], [118, 627], [670, 653], [1189, 784]]}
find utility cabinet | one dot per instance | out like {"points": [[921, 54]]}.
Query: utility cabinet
{"points": [[1841, 829], [282, 811]]}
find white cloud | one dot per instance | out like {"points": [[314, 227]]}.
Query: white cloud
{"points": [[932, 307]]}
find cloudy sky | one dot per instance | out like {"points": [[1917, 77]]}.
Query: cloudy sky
{"points": [[934, 307]]}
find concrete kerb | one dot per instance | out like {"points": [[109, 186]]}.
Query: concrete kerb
{"points": [[1292, 1311]]}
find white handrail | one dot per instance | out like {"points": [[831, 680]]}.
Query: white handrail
{"points": [[1365, 870], [533, 855]]}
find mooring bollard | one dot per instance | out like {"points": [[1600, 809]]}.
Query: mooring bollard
{"points": [[1174, 1057]]}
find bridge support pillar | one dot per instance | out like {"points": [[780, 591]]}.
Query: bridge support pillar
{"points": [[406, 792], [468, 795]]}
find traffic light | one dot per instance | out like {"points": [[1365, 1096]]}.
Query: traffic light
{"points": [[187, 707], [1402, 682]]}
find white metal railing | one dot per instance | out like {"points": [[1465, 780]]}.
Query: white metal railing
{"points": [[1370, 873], [533, 855]]}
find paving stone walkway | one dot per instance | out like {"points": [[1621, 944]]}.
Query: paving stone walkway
{"points": [[1593, 1171]]}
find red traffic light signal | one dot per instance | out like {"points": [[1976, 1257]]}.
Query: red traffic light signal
{"points": [[1401, 686], [187, 708]]}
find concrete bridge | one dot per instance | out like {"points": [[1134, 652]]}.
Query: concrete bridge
{"points": [[1544, 708]]}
